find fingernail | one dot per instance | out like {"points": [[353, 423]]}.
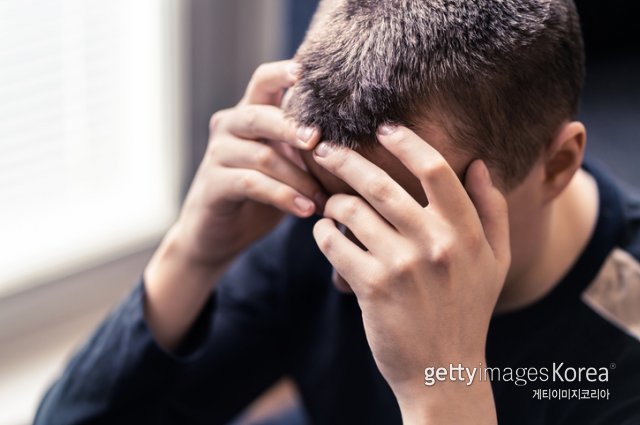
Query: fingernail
{"points": [[303, 205], [386, 129], [294, 69], [323, 149], [305, 134]]}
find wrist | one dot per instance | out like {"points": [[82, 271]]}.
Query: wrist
{"points": [[176, 289], [448, 401], [454, 403], [174, 262]]}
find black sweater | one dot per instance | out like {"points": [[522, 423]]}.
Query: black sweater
{"points": [[276, 313]]}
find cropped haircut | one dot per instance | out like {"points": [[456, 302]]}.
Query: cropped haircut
{"points": [[498, 76]]}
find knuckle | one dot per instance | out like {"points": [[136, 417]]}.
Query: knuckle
{"points": [[377, 286], [350, 208], [285, 133], [433, 169], [250, 114], [441, 254], [403, 265], [371, 290], [247, 182], [213, 149], [215, 120], [378, 188], [282, 195], [324, 240], [332, 205], [260, 71], [264, 157], [259, 76]]}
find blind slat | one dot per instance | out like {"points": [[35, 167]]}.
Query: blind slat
{"points": [[85, 141]]}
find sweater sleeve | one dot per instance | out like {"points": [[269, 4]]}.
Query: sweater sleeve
{"points": [[236, 349]]}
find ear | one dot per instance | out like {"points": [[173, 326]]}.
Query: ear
{"points": [[563, 158]]}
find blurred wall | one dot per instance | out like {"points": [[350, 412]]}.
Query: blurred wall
{"points": [[226, 41], [611, 100], [299, 15]]}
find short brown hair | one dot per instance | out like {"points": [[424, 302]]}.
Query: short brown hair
{"points": [[499, 76]]}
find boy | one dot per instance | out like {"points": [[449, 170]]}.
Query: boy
{"points": [[483, 275]]}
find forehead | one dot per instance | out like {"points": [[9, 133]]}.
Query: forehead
{"points": [[382, 158]]}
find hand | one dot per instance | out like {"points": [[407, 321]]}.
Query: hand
{"points": [[430, 277], [249, 178]]}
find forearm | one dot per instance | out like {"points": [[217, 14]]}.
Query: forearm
{"points": [[118, 367], [176, 290], [450, 403]]}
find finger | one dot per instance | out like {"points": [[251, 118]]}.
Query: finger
{"points": [[492, 209], [289, 152], [364, 222], [269, 81], [265, 159], [256, 122], [442, 186], [351, 262], [376, 186], [252, 184]]}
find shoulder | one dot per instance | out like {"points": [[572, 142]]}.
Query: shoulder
{"points": [[614, 294], [630, 199]]}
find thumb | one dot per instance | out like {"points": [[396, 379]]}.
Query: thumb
{"points": [[491, 207]]}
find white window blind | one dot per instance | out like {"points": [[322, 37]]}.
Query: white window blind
{"points": [[89, 131]]}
